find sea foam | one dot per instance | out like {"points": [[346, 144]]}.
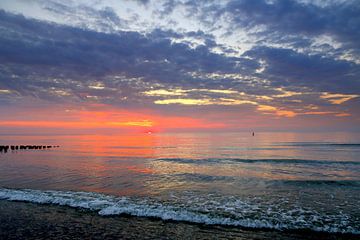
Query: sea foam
{"points": [[193, 212]]}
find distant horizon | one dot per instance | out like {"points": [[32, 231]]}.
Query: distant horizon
{"points": [[32, 132]]}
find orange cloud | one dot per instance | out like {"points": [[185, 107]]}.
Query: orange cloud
{"points": [[335, 98], [343, 115], [278, 112], [317, 113], [285, 113]]}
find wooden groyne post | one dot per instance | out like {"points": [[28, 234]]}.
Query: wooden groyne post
{"points": [[6, 148]]}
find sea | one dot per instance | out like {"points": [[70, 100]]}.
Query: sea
{"points": [[276, 181]]}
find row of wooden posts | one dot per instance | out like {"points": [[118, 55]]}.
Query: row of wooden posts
{"points": [[6, 148]]}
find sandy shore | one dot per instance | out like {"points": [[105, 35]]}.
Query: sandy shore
{"points": [[19, 220]]}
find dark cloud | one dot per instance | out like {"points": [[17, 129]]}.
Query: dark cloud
{"points": [[286, 67], [57, 62], [34, 42], [167, 7], [296, 24], [37, 52], [145, 2], [103, 20], [293, 27]]}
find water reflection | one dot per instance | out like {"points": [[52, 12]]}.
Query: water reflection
{"points": [[131, 164], [294, 179]]}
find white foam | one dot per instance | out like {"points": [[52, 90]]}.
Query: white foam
{"points": [[110, 205]]}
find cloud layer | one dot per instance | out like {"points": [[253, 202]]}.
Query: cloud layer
{"points": [[272, 59]]}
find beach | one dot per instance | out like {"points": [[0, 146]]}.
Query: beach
{"points": [[20, 220]]}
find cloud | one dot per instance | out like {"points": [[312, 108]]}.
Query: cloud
{"points": [[294, 64], [338, 98], [284, 19], [165, 92], [278, 112], [204, 101], [5, 91], [182, 92], [286, 67], [69, 59]]}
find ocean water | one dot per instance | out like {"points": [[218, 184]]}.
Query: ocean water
{"points": [[282, 181]]}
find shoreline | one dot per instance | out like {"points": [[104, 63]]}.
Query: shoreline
{"points": [[24, 220]]}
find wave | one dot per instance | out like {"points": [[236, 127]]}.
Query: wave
{"points": [[206, 210], [196, 177], [339, 183], [269, 161], [315, 144]]}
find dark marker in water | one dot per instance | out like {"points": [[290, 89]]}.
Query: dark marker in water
{"points": [[5, 148]]}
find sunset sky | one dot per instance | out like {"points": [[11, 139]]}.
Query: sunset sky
{"points": [[179, 65]]}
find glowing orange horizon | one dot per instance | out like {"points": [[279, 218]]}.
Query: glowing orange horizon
{"points": [[72, 124], [107, 118]]}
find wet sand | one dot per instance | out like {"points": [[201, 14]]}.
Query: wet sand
{"points": [[20, 220]]}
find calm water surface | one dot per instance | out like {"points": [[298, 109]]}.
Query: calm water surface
{"points": [[272, 180]]}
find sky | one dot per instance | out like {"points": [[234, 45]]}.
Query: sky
{"points": [[179, 65]]}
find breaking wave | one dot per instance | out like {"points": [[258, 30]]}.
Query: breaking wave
{"points": [[194, 209], [319, 144], [268, 161]]}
